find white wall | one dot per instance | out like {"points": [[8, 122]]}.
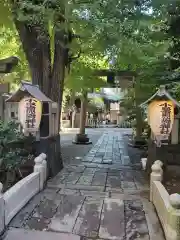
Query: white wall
{"points": [[17, 196], [13, 200]]}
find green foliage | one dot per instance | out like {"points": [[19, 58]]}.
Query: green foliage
{"points": [[82, 76], [12, 156], [130, 31], [94, 104], [5, 14], [10, 46]]}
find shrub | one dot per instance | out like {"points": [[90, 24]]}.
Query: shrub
{"points": [[12, 152]]}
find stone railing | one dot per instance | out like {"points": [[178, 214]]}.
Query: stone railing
{"points": [[125, 124], [90, 123], [13, 200], [167, 206]]}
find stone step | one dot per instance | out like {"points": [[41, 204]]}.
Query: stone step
{"points": [[76, 187], [109, 193], [100, 189]]}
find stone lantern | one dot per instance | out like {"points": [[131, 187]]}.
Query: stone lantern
{"points": [[161, 114], [163, 119], [38, 116]]}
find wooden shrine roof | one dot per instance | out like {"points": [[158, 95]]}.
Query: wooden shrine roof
{"points": [[28, 89], [161, 94]]}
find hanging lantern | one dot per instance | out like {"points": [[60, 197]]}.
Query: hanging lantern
{"points": [[30, 111], [161, 118]]}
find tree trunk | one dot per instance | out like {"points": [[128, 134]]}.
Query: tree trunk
{"points": [[50, 80], [29, 39], [83, 114], [36, 44], [58, 73], [139, 120], [46, 63]]}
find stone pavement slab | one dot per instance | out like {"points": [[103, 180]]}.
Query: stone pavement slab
{"points": [[89, 178], [99, 179], [88, 220], [136, 225], [30, 208], [67, 213], [22, 234], [113, 212], [95, 200]]}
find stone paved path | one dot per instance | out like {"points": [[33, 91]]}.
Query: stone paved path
{"points": [[101, 196]]}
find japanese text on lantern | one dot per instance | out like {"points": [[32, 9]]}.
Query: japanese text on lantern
{"points": [[161, 117], [30, 110], [165, 118]]}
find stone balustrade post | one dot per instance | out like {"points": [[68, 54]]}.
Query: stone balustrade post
{"points": [[44, 163], [173, 221], [156, 175], [38, 167], [143, 162], [160, 164], [2, 210]]}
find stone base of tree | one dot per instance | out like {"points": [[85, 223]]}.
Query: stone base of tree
{"points": [[137, 142], [52, 148], [81, 139]]}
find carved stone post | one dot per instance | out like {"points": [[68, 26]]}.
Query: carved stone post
{"points": [[40, 169], [144, 161], [156, 175], [160, 164], [44, 163]]}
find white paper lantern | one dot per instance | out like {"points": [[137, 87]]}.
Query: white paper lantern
{"points": [[30, 111], [161, 117]]}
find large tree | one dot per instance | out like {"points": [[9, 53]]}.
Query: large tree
{"points": [[45, 36], [122, 29]]}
